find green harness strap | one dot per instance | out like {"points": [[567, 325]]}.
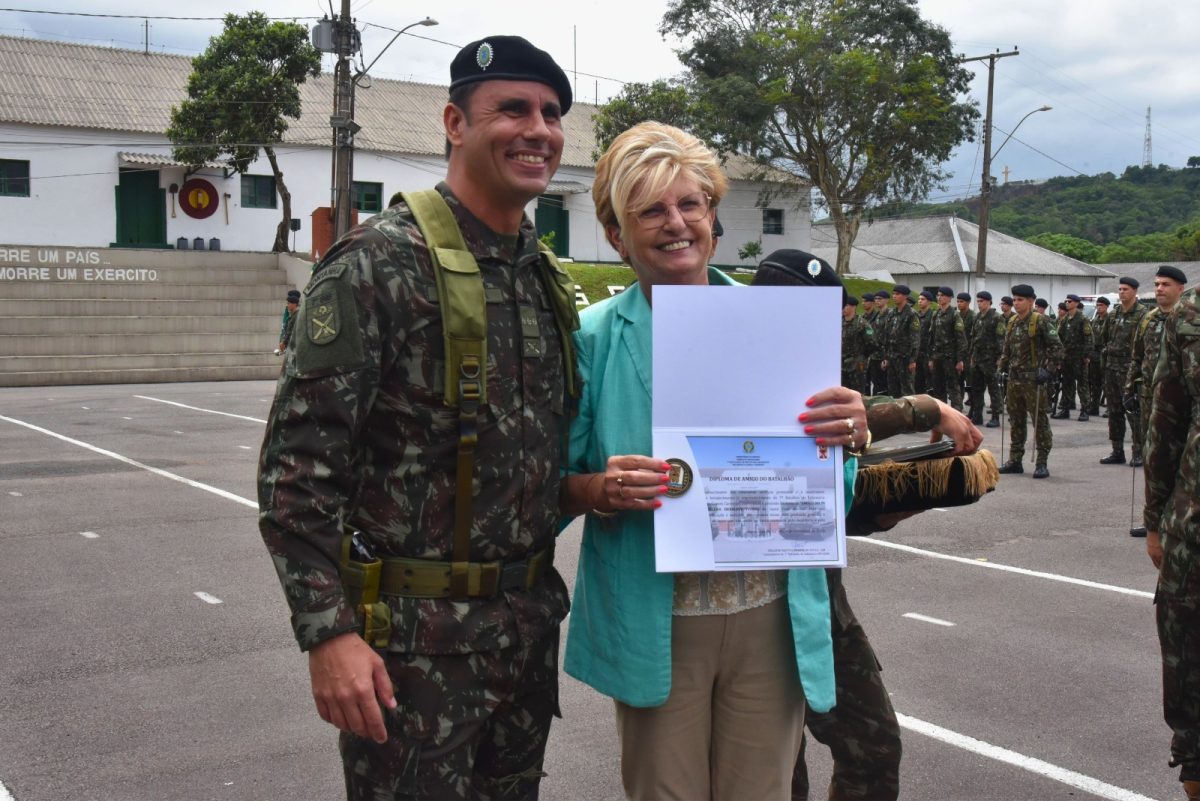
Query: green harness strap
{"points": [[463, 304]]}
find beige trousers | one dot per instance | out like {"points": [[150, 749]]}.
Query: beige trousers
{"points": [[730, 729]]}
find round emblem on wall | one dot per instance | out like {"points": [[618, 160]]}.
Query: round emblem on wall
{"points": [[198, 198]]}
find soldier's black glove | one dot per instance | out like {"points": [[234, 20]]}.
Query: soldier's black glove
{"points": [[1131, 403], [1044, 376]]}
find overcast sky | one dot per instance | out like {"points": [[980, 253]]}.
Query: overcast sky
{"points": [[1098, 63]]}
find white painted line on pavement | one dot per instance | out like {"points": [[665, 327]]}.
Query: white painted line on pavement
{"points": [[1095, 585], [16, 494], [177, 432], [926, 619], [4, 794], [1031, 764], [199, 409], [244, 447], [89, 535], [214, 490], [208, 599], [88, 408], [126, 418]]}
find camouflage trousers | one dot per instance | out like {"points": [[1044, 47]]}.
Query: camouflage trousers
{"points": [[1074, 380], [1025, 398], [861, 731], [899, 379], [1114, 390], [467, 726], [1178, 618], [1095, 382], [853, 379], [985, 377], [946, 383], [876, 379]]}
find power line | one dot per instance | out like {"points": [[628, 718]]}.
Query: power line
{"points": [[131, 16]]}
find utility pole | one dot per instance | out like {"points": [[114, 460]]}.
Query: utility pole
{"points": [[1147, 147], [346, 43], [985, 186]]}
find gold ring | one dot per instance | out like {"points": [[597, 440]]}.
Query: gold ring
{"points": [[850, 426], [620, 481]]}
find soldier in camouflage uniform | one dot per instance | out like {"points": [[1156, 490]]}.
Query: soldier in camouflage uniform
{"points": [[457, 701], [1172, 515], [1118, 350], [870, 316], [903, 341], [963, 302], [1096, 363], [858, 340], [985, 347], [922, 381], [883, 332], [948, 350], [1031, 354], [1075, 333]]}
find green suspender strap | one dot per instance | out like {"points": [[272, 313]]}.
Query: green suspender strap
{"points": [[464, 330], [463, 305], [1033, 329]]}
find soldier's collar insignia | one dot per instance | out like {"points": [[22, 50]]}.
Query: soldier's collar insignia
{"points": [[484, 55], [814, 268]]}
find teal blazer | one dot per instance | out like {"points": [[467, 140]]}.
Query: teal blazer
{"points": [[619, 636]]}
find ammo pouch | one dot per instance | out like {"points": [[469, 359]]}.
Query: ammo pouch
{"points": [[360, 582]]}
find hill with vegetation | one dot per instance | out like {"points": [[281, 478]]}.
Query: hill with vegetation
{"points": [[1145, 214]]}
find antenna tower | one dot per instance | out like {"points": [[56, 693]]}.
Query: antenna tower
{"points": [[1147, 150]]}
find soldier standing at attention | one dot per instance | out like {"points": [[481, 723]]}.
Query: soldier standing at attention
{"points": [[948, 350], [1006, 308], [858, 339], [435, 650], [1172, 515], [903, 342], [925, 314], [883, 334], [870, 316], [1075, 333], [963, 301], [1031, 354], [1096, 363], [985, 357], [1117, 352]]}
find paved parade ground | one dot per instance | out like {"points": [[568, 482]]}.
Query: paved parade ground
{"points": [[145, 651]]}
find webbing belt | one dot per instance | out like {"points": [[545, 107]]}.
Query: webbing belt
{"points": [[422, 578]]}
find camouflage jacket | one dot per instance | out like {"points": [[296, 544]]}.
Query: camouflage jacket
{"points": [[289, 326], [1173, 446], [1118, 336], [968, 318], [1099, 326], [1075, 333], [882, 326], [1029, 344], [858, 341], [359, 435], [948, 335], [903, 336], [988, 341], [1147, 341], [926, 319], [887, 416]]}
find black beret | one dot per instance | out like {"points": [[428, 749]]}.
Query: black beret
{"points": [[1006, 299], [718, 229], [293, 296], [869, 296], [509, 58], [1023, 291], [787, 267], [1062, 305], [945, 290], [925, 293], [1174, 273], [1042, 303], [1102, 301], [1075, 298], [883, 294], [850, 300], [964, 296], [901, 289], [983, 294], [1125, 279]]}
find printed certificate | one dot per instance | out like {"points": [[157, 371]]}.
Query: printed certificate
{"points": [[732, 370]]}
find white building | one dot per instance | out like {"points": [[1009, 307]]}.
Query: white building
{"points": [[84, 161]]}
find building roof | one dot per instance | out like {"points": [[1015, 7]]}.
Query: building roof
{"points": [[85, 86], [1144, 273], [934, 245]]}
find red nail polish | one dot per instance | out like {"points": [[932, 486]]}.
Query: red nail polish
{"points": [[804, 417], [658, 504], [808, 402], [664, 479], [820, 440], [665, 467], [662, 490], [808, 429]]}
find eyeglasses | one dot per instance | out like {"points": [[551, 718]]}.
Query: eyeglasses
{"points": [[691, 208]]}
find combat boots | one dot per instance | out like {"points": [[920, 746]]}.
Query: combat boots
{"points": [[994, 422], [1041, 471], [1061, 414], [1136, 461], [1012, 466], [976, 416], [1083, 417], [1116, 457]]}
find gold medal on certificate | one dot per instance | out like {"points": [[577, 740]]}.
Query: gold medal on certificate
{"points": [[679, 478]]}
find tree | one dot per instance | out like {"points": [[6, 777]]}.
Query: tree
{"points": [[1068, 245], [662, 101], [239, 93], [860, 98]]}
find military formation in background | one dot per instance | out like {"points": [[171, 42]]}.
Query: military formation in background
{"points": [[1042, 367]]}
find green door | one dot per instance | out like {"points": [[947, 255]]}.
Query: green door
{"points": [[551, 217], [141, 210]]}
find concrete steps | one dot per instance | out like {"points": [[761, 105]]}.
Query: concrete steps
{"points": [[140, 316]]}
